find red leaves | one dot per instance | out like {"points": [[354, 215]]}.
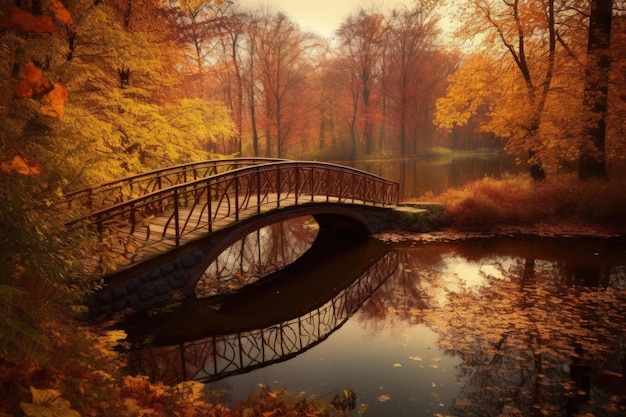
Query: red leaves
{"points": [[27, 21], [20, 165]]}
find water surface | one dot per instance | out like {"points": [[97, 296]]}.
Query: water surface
{"points": [[484, 327]]}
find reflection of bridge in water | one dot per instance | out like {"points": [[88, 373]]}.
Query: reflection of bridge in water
{"points": [[221, 355]]}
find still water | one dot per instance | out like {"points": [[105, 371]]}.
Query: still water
{"points": [[521, 326], [436, 174]]}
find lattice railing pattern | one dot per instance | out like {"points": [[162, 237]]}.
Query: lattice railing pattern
{"points": [[117, 191], [217, 357]]}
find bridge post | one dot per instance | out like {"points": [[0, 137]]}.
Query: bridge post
{"points": [[236, 199], [278, 188], [209, 211], [297, 185], [176, 217], [258, 191]]}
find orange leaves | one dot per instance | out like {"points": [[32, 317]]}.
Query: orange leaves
{"points": [[37, 24], [33, 84], [27, 21], [54, 101], [20, 165], [187, 399], [60, 12]]}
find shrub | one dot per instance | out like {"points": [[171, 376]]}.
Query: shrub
{"points": [[518, 200]]}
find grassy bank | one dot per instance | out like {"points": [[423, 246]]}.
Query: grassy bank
{"points": [[559, 201]]}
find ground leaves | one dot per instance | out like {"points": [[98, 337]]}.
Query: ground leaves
{"points": [[47, 403]]}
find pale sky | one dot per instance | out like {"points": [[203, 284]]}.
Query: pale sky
{"points": [[321, 16]]}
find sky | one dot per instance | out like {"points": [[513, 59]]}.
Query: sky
{"points": [[321, 16]]}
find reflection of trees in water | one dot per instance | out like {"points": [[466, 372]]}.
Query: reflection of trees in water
{"points": [[402, 295], [523, 338], [257, 255], [533, 340]]}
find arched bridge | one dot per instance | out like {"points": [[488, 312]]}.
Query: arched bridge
{"points": [[175, 221]]}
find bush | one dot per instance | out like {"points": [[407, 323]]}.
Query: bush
{"points": [[487, 203]]}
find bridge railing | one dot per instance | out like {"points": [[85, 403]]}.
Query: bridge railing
{"points": [[145, 226], [119, 190]]}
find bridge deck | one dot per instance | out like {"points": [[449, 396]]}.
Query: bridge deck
{"points": [[154, 237]]}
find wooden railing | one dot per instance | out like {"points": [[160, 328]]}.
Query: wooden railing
{"points": [[117, 191], [153, 223]]}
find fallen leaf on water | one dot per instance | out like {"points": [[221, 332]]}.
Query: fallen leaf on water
{"points": [[465, 402], [397, 365], [383, 397], [415, 358]]}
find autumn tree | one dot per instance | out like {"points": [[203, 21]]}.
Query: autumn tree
{"points": [[328, 83], [233, 52], [413, 67], [522, 37], [361, 41], [119, 65], [281, 55]]}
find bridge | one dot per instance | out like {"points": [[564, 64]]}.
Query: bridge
{"points": [[158, 231]]}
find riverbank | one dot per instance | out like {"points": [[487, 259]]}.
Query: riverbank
{"points": [[559, 206]]}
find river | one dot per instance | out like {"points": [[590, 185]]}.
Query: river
{"points": [[520, 326], [437, 173]]}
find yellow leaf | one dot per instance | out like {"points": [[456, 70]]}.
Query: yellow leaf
{"points": [[47, 403], [42, 396]]}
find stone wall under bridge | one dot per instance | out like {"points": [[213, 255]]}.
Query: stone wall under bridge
{"points": [[174, 275]]}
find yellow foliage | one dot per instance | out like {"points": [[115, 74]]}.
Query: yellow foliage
{"points": [[192, 391]]}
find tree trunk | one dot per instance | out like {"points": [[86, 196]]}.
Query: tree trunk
{"points": [[239, 111], [252, 100], [592, 162]]}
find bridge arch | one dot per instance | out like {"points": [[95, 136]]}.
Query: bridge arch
{"points": [[332, 219], [176, 273]]}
